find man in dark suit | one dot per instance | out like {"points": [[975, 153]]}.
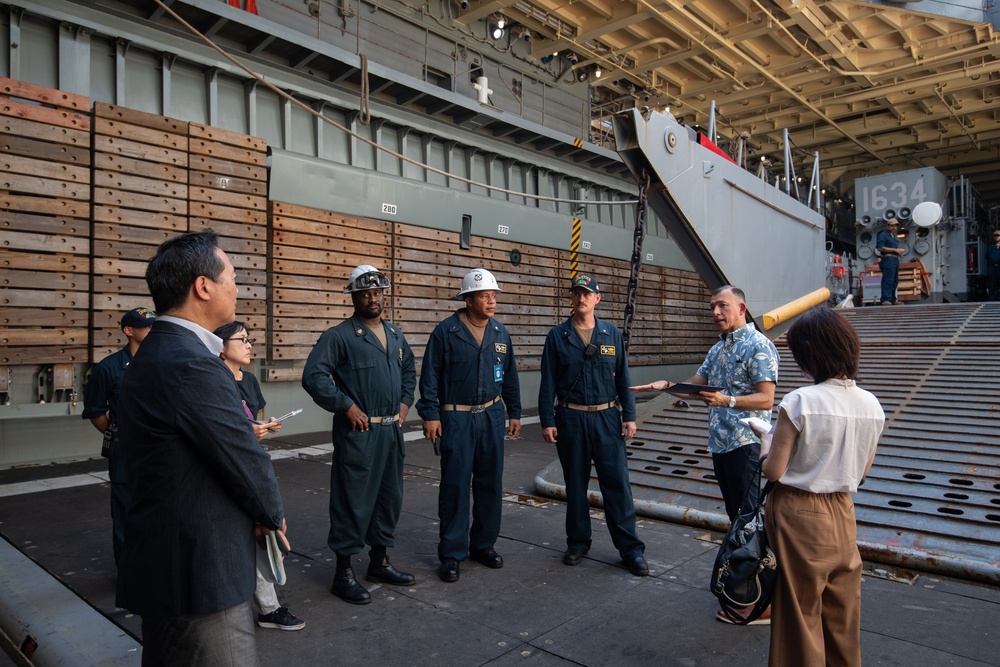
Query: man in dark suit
{"points": [[200, 483]]}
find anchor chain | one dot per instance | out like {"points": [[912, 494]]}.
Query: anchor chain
{"points": [[637, 238]]}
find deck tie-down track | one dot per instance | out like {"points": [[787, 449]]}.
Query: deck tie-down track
{"points": [[932, 499]]}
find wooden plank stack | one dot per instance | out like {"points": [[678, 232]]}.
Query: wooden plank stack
{"points": [[69, 268], [671, 322], [140, 200], [914, 282], [45, 217], [429, 267], [227, 184], [426, 267], [313, 253]]}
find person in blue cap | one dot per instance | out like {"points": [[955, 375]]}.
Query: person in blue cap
{"points": [[587, 411], [891, 249], [363, 371], [100, 406], [468, 369]]}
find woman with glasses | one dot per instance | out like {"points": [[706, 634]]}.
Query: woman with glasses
{"points": [[236, 347]]}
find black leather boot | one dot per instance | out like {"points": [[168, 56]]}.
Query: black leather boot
{"points": [[347, 588], [381, 570]]}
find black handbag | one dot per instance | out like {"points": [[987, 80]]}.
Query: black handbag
{"points": [[745, 568]]}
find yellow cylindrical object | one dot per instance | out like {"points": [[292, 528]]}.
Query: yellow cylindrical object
{"points": [[793, 308]]}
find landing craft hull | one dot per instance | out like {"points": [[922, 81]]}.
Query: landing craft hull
{"points": [[733, 227]]}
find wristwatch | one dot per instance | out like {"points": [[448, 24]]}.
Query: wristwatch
{"points": [[732, 402]]}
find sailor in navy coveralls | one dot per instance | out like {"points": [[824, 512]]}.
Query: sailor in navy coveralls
{"points": [[467, 380], [588, 412]]}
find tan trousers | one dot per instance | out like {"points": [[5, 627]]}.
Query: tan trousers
{"points": [[816, 609]]}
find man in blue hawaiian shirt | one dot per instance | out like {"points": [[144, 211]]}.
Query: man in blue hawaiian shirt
{"points": [[745, 364]]}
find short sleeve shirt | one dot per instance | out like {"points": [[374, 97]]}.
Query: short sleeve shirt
{"points": [[839, 425], [886, 240], [737, 363]]}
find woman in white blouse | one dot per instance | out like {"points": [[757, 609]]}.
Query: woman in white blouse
{"points": [[821, 448]]}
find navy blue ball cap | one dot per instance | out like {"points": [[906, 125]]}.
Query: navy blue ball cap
{"points": [[140, 318], [585, 281]]}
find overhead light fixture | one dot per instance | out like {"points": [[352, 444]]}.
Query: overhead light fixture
{"points": [[598, 72], [495, 26], [582, 75]]}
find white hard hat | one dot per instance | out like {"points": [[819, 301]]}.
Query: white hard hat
{"points": [[366, 277], [477, 280]]}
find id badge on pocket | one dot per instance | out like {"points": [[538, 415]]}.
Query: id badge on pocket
{"points": [[109, 437], [497, 373]]}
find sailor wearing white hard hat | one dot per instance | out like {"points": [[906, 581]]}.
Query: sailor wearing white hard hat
{"points": [[468, 368]]}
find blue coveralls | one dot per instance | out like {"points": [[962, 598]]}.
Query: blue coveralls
{"points": [[100, 396], [591, 436], [993, 271], [348, 366], [889, 264], [456, 370]]}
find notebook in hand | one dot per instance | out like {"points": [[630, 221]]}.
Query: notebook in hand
{"points": [[271, 559]]}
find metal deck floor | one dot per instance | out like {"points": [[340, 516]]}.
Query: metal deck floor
{"points": [[932, 499]]}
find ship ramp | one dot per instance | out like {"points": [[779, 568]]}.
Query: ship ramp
{"points": [[734, 227], [931, 501]]}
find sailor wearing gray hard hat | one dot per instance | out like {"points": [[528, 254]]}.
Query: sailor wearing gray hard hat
{"points": [[363, 371], [365, 277], [468, 368]]}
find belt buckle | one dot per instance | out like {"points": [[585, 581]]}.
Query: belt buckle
{"points": [[478, 408], [387, 420]]}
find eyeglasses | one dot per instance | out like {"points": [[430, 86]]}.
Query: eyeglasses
{"points": [[370, 280], [245, 340]]}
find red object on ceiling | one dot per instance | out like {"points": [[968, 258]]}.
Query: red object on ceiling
{"points": [[252, 7]]}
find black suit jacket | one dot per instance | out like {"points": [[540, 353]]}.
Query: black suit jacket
{"points": [[198, 478]]}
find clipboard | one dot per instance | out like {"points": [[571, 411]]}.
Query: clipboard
{"points": [[685, 388]]}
